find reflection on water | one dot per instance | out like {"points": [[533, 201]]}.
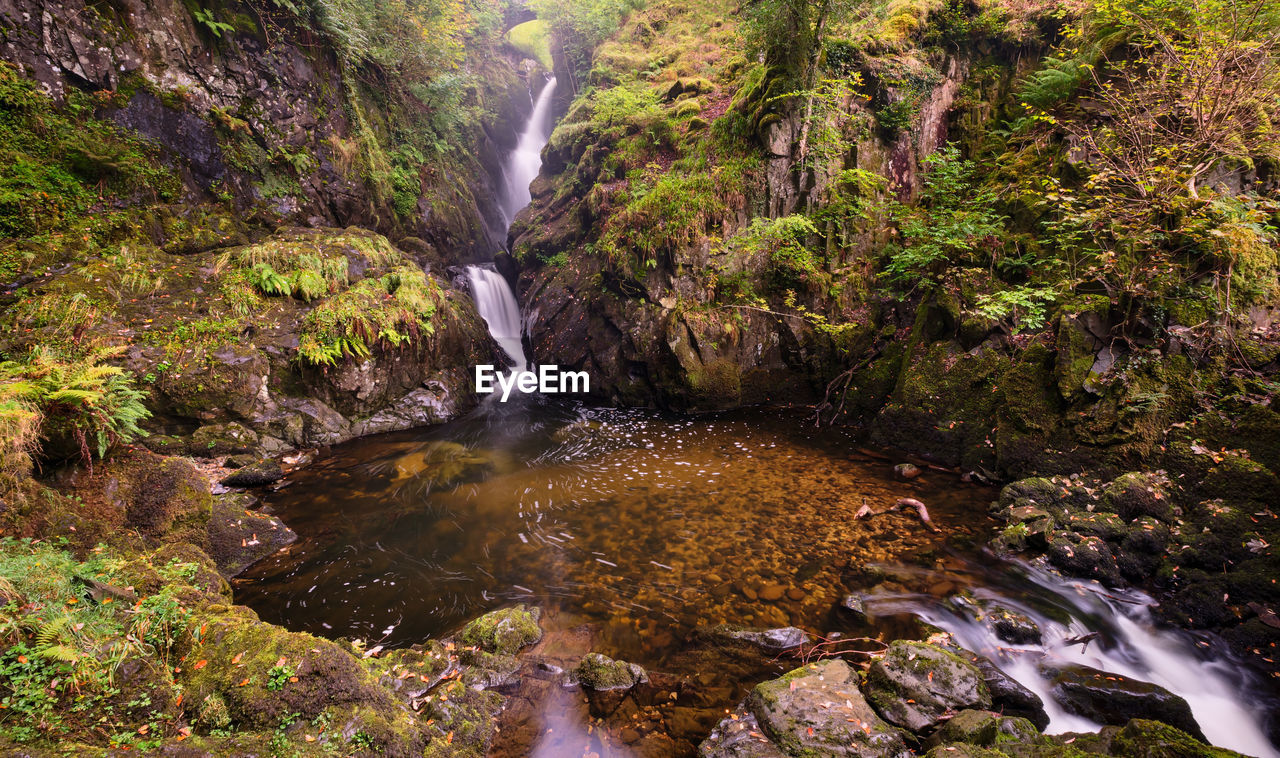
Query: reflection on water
{"points": [[645, 524]]}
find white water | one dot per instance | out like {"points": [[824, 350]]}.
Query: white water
{"points": [[1129, 644], [498, 307], [525, 161]]}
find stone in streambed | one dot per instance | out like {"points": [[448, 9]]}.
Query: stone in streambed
{"points": [[239, 536], [602, 674], [504, 631], [1009, 697], [814, 710], [1014, 628], [772, 592], [1113, 699], [855, 607], [984, 728], [906, 471], [260, 474], [914, 684], [1084, 556], [768, 640]]}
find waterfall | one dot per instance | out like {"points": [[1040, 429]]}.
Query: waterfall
{"points": [[1223, 697], [524, 162], [498, 307], [493, 296]]}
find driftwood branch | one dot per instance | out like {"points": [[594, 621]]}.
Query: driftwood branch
{"points": [[902, 503]]}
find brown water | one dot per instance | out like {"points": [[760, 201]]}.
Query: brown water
{"points": [[630, 529]]}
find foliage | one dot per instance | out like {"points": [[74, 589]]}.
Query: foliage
{"points": [[393, 310], [45, 394], [531, 39], [784, 243], [581, 25], [61, 649], [58, 163]]}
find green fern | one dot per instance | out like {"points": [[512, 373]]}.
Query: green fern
{"points": [[266, 280]]}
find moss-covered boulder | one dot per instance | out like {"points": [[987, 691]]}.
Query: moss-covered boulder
{"points": [[257, 474], [819, 710], [1084, 556], [1108, 526], [165, 499], [1143, 738], [218, 440], [504, 631], [601, 673], [1138, 494], [984, 728], [240, 536], [914, 684]]}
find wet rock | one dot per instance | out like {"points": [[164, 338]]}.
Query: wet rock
{"points": [[769, 640], [984, 728], [504, 631], [1108, 526], [1138, 494], [601, 673], [1009, 697], [962, 750], [1014, 627], [739, 737], [1033, 491], [239, 537], [906, 471], [1113, 699], [772, 592], [260, 474], [819, 710], [240, 461], [854, 607], [1084, 556], [915, 684], [1144, 738]]}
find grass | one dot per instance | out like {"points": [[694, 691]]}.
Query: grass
{"points": [[530, 38]]}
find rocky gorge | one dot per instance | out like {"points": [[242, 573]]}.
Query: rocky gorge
{"points": [[233, 240]]}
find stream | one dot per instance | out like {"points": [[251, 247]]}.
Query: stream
{"points": [[636, 532]]}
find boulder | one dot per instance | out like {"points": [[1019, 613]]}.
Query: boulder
{"points": [[739, 737], [819, 710], [1084, 556], [1009, 697], [239, 536], [1013, 627], [1113, 699], [906, 471], [601, 673], [1138, 494], [504, 631], [260, 474], [984, 728], [915, 684], [1108, 526], [854, 608]]}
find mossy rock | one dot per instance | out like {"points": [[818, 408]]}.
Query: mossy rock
{"points": [[985, 728], [1108, 526], [1036, 490], [257, 474], [167, 499], [504, 631], [1237, 479], [240, 536], [1084, 556], [914, 684], [1138, 494], [217, 440], [601, 673], [1141, 738]]}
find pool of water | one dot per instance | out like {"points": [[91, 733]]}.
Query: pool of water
{"points": [[634, 531]]}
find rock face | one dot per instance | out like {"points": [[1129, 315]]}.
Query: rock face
{"points": [[264, 80], [1111, 699], [814, 710], [915, 684]]}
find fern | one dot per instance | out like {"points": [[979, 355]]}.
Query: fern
{"points": [[266, 280]]}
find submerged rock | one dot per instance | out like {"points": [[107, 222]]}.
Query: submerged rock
{"points": [[819, 710], [854, 607], [504, 631], [443, 464], [769, 640], [906, 471], [1113, 699], [915, 684]]}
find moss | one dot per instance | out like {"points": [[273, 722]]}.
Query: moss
{"points": [[1141, 738], [504, 631], [601, 673]]}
